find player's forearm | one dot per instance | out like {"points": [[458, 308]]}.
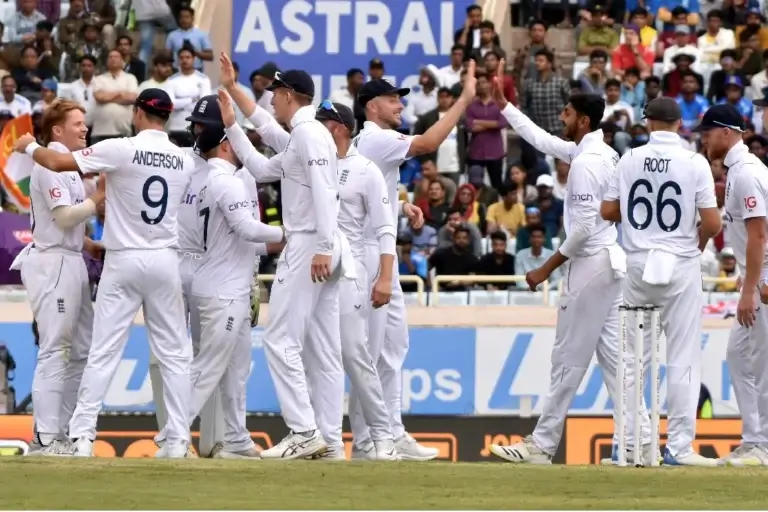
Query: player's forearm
{"points": [[578, 236], [270, 131], [246, 105], [67, 217], [52, 160], [386, 262], [438, 132], [536, 136], [256, 163], [252, 230], [754, 262]]}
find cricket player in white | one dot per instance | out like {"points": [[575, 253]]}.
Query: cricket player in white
{"points": [[746, 194], [303, 332], [148, 178], [190, 252], [56, 280], [588, 318], [655, 194]]}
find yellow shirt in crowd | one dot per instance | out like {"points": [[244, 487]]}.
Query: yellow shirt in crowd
{"points": [[511, 219]]}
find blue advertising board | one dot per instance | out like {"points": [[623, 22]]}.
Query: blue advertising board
{"points": [[328, 37]]}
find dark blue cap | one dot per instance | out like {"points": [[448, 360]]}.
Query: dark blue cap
{"points": [[328, 111], [206, 111], [156, 102], [721, 116], [379, 87], [295, 80]]}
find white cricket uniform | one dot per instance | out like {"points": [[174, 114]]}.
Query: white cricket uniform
{"points": [[388, 339], [229, 228], [147, 179], [54, 274], [190, 252], [184, 91], [746, 194], [588, 319], [364, 206], [659, 187], [300, 309]]}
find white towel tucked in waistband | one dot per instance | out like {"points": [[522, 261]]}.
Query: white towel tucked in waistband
{"points": [[659, 267]]}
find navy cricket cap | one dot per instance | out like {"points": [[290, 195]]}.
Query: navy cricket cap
{"points": [[721, 116], [663, 109], [206, 111], [379, 87], [294, 80], [328, 111], [155, 102]]}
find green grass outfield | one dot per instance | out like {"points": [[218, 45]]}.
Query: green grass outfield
{"points": [[209, 484]]}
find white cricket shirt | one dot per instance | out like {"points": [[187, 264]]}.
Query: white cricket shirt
{"points": [[228, 219], [49, 190], [746, 194], [660, 186], [184, 91], [18, 106], [189, 233], [364, 204], [82, 93], [147, 178]]}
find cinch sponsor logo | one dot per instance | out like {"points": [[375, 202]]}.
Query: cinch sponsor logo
{"points": [[581, 197], [317, 161], [189, 199], [238, 205]]}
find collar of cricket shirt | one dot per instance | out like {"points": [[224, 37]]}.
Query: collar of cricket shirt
{"points": [[660, 137], [588, 140], [58, 147], [735, 154], [303, 115], [222, 165]]}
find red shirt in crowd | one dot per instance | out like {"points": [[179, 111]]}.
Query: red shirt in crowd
{"points": [[669, 38], [510, 91], [624, 58]]}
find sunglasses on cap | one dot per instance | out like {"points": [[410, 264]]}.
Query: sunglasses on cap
{"points": [[327, 106]]}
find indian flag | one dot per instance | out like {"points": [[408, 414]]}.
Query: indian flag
{"points": [[16, 168]]}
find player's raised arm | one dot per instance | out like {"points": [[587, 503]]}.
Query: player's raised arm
{"points": [[527, 129], [231, 199], [101, 157], [380, 212], [706, 203]]}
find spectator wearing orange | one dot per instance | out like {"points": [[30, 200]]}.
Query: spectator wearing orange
{"points": [[468, 206], [632, 54], [498, 262], [755, 23], [507, 214], [435, 206]]}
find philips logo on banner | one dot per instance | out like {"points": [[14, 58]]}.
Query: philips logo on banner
{"points": [[327, 37]]}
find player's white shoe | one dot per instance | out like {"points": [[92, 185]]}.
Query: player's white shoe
{"points": [[55, 448], [693, 459], [524, 452], [251, 454], [217, 447], [366, 451], [173, 450], [297, 446], [83, 447], [756, 456], [409, 449], [331, 454], [740, 451], [647, 456], [385, 450]]}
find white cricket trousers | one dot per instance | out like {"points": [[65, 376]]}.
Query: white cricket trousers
{"points": [[308, 377], [56, 281], [587, 321], [680, 303], [366, 398], [388, 343], [211, 416], [747, 357], [132, 279]]}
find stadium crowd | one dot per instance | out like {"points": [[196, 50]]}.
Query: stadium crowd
{"points": [[493, 204]]}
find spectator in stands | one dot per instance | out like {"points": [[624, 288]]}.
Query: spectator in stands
{"points": [[728, 269], [561, 179], [525, 60], [47, 49], [149, 15], [534, 256], [672, 83], [469, 36], [410, 261], [759, 81], [757, 146], [648, 35], [547, 95], [451, 74], [489, 42], [734, 95], [346, 95], [430, 173], [22, 25], [632, 55], [485, 122], [692, 104], [472, 211], [550, 207], [134, 66], [716, 38], [456, 260], [13, 103], [640, 136], [107, 16], [114, 92], [633, 92], [424, 99], [754, 23], [498, 262], [532, 219], [728, 67], [376, 69], [435, 205], [162, 69], [89, 44], [71, 25], [49, 91], [492, 61], [683, 45], [424, 238], [187, 36], [81, 90], [260, 80], [616, 111], [447, 155], [507, 214], [241, 120], [454, 220], [598, 35], [526, 193], [735, 11], [750, 54], [29, 76], [185, 88], [96, 223], [592, 79], [679, 16], [718, 170]]}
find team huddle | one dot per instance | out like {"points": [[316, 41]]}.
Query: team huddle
{"points": [[181, 242]]}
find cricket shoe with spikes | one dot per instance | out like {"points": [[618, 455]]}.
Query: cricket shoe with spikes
{"points": [[331, 454], [364, 451], [55, 448], [297, 445], [250, 454], [524, 452], [409, 449]]}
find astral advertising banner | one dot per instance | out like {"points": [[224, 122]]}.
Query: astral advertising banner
{"points": [[449, 371], [458, 439], [327, 37]]}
